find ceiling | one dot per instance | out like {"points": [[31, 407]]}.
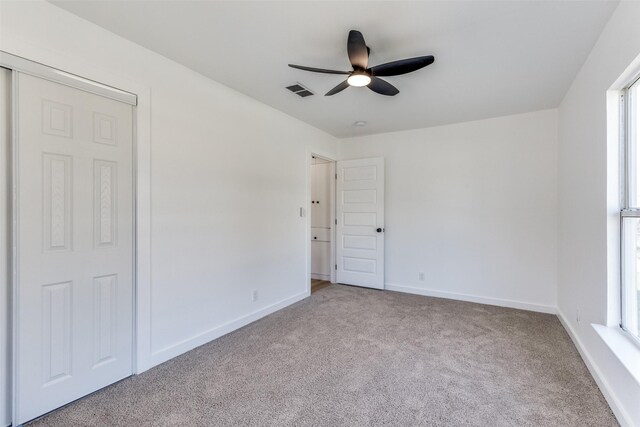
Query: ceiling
{"points": [[493, 58]]}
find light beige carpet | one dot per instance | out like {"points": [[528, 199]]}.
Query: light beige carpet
{"points": [[349, 356]]}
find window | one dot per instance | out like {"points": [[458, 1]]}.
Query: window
{"points": [[630, 213]]}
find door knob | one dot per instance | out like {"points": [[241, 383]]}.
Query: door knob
{"points": [[379, 230]]}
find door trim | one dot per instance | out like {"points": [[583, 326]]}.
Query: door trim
{"points": [[5, 251], [139, 96], [17, 63]]}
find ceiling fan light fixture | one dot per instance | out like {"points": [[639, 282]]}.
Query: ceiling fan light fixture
{"points": [[363, 75], [359, 79]]}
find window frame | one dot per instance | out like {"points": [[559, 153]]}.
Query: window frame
{"points": [[629, 147]]}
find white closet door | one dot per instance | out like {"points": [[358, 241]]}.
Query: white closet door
{"points": [[5, 348], [315, 194], [320, 189], [75, 245], [360, 229], [322, 195]]}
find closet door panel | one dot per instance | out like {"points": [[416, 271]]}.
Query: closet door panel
{"points": [[315, 177], [322, 198], [320, 234]]}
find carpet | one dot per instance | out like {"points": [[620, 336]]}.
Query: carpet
{"points": [[350, 356]]}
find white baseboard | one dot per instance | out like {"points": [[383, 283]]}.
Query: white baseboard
{"points": [[321, 276], [623, 417], [472, 298], [167, 353]]}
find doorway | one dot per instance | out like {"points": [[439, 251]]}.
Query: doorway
{"points": [[72, 216], [347, 222], [322, 221]]}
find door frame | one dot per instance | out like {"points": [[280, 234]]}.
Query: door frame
{"points": [[139, 96], [332, 216], [5, 253]]}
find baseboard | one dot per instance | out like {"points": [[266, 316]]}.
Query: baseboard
{"points": [[321, 276], [181, 347], [618, 410], [472, 298]]}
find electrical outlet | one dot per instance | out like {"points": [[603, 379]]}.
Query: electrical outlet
{"points": [[254, 295], [578, 315], [420, 276]]}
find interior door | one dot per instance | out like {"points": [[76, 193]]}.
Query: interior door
{"points": [[360, 217], [75, 244]]}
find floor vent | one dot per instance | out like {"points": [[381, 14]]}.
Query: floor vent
{"points": [[300, 90]]}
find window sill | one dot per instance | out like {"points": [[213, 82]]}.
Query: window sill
{"points": [[627, 352]]}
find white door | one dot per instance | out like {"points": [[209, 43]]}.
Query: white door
{"points": [[75, 245], [360, 217], [5, 90]]}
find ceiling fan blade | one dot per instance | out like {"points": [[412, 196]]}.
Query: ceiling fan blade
{"points": [[342, 86], [402, 66], [357, 50], [318, 70], [382, 87]]}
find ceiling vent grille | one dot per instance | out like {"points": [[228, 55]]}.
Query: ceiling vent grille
{"points": [[300, 90]]}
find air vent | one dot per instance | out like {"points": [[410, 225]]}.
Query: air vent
{"points": [[300, 90]]}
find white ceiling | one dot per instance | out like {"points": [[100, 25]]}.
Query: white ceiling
{"points": [[493, 58]]}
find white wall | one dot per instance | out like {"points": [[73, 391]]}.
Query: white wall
{"points": [[228, 175], [473, 206], [584, 219]]}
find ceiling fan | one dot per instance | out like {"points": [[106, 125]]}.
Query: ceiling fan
{"points": [[362, 75]]}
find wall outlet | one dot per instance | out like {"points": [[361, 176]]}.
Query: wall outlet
{"points": [[420, 276], [578, 315], [254, 295]]}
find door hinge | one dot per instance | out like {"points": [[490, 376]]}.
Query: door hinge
{"points": [[336, 176], [336, 266], [336, 220]]}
